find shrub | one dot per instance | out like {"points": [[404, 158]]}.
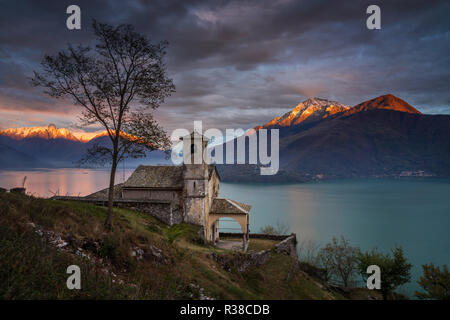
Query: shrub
{"points": [[278, 229], [109, 248], [395, 270], [434, 282]]}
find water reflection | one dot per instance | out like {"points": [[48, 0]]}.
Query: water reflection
{"points": [[72, 182]]}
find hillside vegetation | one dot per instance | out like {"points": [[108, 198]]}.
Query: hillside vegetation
{"points": [[140, 259]]}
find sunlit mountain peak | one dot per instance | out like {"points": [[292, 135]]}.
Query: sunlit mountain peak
{"points": [[48, 132], [311, 109]]}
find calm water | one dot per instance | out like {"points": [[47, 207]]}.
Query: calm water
{"points": [[412, 213], [64, 182]]}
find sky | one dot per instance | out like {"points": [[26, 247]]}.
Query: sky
{"points": [[237, 64]]}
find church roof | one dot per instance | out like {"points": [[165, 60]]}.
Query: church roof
{"points": [[156, 177], [160, 177], [225, 206], [211, 169], [103, 194]]}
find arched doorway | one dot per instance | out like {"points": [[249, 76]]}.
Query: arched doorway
{"points": [[231, 210], [229, 225], [234, 235]]}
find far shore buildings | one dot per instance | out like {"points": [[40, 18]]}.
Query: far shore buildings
{"points": [[186, 193]]}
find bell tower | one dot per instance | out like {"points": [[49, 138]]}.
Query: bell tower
{"points": [[195, 175]]}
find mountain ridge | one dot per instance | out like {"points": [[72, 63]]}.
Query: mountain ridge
{"points": [[49, 132], [312, 109], [316, 109], [385, 102], [381, 137], [384, 136], [55, 151]]}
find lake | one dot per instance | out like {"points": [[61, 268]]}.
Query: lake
{"points": [[412, 213]]}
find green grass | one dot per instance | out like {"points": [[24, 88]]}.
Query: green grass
{"points": [[184, 231], [30, 268]]}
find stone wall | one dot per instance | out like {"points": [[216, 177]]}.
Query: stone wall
{"points": [[18, 190], [195, 210], [174, 196], [288, 246], [254, 236], [161, 211], [243, 261], [165, 211]]}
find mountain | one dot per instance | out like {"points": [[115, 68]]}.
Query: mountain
{"points": [[50, 132], [155, 157], [384, 136], [11, 158], [371, 143], [386, 102], [311, 110], [53, 147], [319, 139]]}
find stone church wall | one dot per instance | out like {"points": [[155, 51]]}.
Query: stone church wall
{"points": [[161, 211], [195, 211], [150, 194], [167, 212]]}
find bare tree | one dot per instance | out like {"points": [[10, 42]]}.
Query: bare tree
{"points": [[117, 84], [279, 229], [308, 250], [340, 260]]}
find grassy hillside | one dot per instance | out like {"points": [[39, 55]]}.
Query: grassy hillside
{"points": [[140, 259]]}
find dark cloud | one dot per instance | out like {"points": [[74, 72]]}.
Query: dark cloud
{"points": [[239, 63]]}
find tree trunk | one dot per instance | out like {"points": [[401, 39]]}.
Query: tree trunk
{"points": [[108, 222]]}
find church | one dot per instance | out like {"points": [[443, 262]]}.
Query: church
{"points": [[188, 193]]}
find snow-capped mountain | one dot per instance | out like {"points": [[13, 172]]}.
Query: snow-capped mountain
{"points": [[380, 137], [310, 110], [50, 132], [55, 147]]}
